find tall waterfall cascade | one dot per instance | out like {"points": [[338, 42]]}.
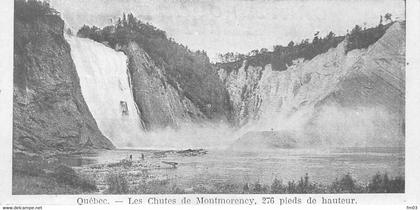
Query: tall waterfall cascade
{"points": [[105, 85]]}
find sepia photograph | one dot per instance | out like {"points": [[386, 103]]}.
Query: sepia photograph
{"points": [[221, 97]]}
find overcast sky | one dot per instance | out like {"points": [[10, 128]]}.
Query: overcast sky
{"points": [[234, 25]]}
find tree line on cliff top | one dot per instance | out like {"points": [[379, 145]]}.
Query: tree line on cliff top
{"points": [[29, 10], [283, 56], [163, 50], [174, 56]]}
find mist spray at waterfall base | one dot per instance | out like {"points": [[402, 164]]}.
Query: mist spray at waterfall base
{"points": [[186, 136], [331, 126]]}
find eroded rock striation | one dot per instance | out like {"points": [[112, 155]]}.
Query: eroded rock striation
{"points": [[340, 98], [161, 103]]}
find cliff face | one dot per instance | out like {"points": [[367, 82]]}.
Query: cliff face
{"points": [[378, 76], [201, 85], [243, 85], [338, 98], [165, 99], [161, 103], [49, 111]]}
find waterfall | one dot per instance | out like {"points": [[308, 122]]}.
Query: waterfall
{"points": [[105, 85]]}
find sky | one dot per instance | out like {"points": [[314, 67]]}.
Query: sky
{"points": [[219, 26]]}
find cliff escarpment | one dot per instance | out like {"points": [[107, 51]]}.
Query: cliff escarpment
{"points": [[161, 102], [339, 98], [49, 111]]}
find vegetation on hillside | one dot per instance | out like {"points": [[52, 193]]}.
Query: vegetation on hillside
{"points": [[31, 9], [283, 56], [360, 38]]}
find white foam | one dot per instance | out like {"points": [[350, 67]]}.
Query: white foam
{"points": [[105, 85]]}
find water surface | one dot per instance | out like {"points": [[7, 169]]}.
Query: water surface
{"points": [[322, 165]]}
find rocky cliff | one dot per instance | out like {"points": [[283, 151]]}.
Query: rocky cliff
{"points": [[161, 102], [49, 111], [353, 98]]}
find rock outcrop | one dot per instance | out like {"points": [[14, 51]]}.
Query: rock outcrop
{"points": [[338, 98], [242, 85], [161, 101], [49, 111]]}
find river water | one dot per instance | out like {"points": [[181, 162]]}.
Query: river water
{"points": [[322, 165]]}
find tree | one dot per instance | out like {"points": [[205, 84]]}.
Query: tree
{"points": [[131, 20], [316, 38], [118, 24], [220, 57], [304, 42], [32, 9], [356, 30], [279, 48], [291, 44], [277, 186], [388, 17], [124, 21], [330, 35], [253, 53], [263, 50]]}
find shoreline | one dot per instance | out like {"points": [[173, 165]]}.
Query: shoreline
{"points": [[150, 176]]}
